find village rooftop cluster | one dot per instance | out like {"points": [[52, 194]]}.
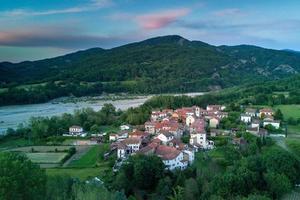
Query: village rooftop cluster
{"points": [[162, 135]]}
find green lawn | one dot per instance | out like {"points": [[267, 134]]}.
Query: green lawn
{"points": [[91, 158], [82, 174], [289, 110], [46, 157]]}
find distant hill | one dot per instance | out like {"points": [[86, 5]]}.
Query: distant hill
{"points": [[161, 64]]}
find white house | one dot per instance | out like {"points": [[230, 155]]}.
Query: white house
{"points": [[75, 130], [189, 120], [198, 138], [171, 157], [275, 123], [246, 118], [165, 137], [128, 146]]}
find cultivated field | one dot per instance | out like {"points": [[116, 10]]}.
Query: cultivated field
{"points": [[41, 148], [46, 157]]}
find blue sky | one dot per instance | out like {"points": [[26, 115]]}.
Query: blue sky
{"points": [[35, 29]]}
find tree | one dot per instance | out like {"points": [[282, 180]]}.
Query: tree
{"points": [[20, 178], [164, 188], [141, 172], [95, 128], [278, 115], [191, 190], [59, 187], [178, 194], [278, 184]]}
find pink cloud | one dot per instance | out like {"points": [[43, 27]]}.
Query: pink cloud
{"points": [[161, 19]]}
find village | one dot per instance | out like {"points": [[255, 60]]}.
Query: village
{"points": [[176, 135]]}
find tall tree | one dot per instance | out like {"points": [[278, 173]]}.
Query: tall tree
{"points": [[20, 178]]}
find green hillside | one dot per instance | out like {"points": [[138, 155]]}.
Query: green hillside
{"points": [[162, 64]]}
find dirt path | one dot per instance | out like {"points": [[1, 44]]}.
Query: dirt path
{"points": [[80, 151]]}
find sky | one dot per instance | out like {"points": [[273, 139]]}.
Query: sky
{"points": [[37, 29]]}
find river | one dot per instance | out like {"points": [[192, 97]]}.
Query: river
{"points": [[11, 116]]}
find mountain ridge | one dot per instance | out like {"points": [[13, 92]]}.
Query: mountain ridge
{"points": [[161, 64]]}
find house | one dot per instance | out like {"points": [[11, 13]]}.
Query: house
{"points": [[133, 144], [165, 137], [198, 126], [274, 123], [176, 143], [250, 111], [265, 112], [121, 150], [246, 118], [214, 122], [157, 115], [75, 130], [124, 127], [198, 138], [189, 120], [189, 154], [171, 157], [150, 127], [144, 136], [215, 107], [118, 136], [128, 146], [197, 111]]}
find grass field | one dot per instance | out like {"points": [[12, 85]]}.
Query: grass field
{"points": [[79, 173], [91, 158], [289, 110], [46, 157]]}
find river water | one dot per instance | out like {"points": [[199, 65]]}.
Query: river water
{"points": [[11, 116]]}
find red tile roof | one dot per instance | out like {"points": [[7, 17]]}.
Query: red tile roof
{"points": [[166, 152]]}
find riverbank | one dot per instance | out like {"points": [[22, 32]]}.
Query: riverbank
{"points": [[12, 116]]}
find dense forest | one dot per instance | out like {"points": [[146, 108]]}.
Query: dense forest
{"points": [[157, 65]]}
